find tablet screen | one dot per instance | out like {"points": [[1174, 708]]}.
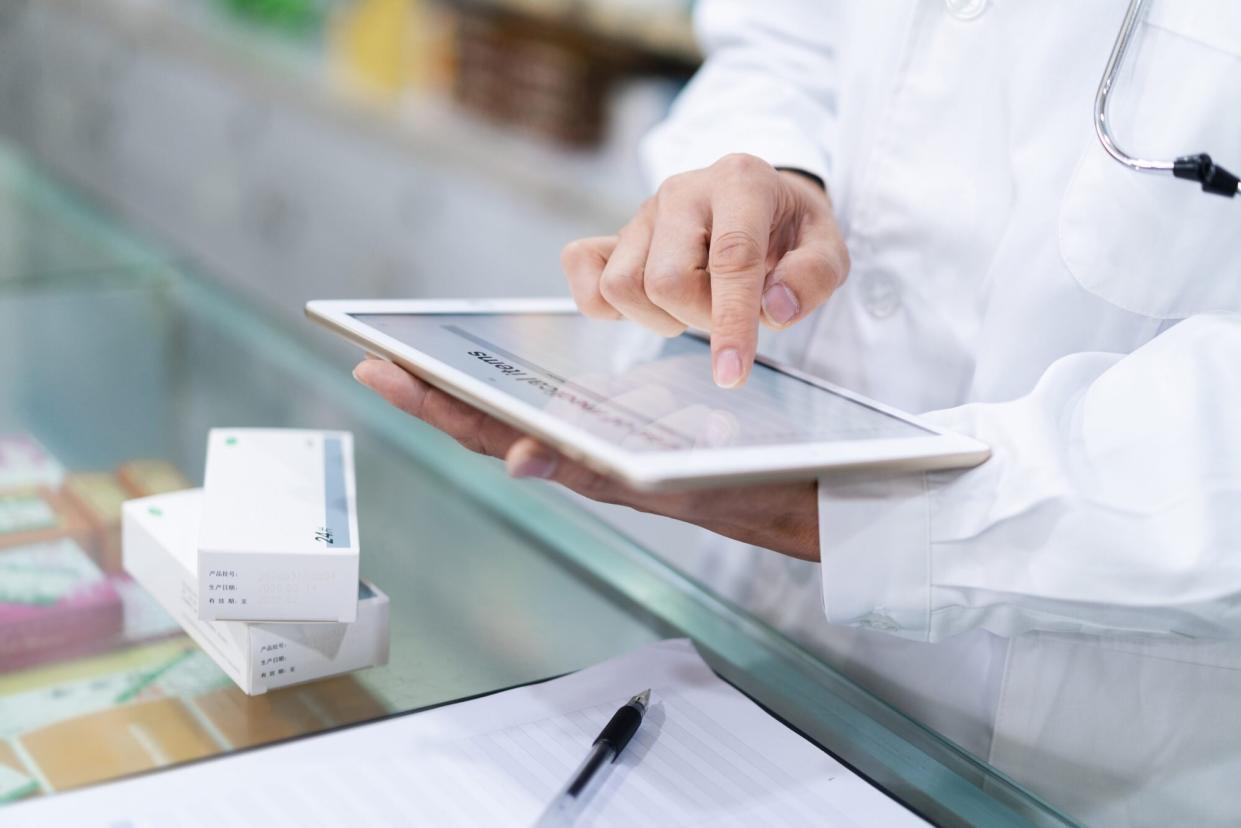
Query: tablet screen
{"points": [[634, 388]]}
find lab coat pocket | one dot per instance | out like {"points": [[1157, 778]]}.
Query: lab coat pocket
{"points": [[1149, 243]]}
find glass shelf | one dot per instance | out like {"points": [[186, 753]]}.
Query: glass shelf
{"points": [[111, 352]]}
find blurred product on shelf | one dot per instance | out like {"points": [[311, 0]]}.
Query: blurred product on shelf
{"points": [[247, 150], [390, 46], [98, 496], [14, 783], [33, 699], [656, 28], [141, 707], [62, 589], [293, 16], [245, 721], [522, 66], [24, 462], [34, 514], [143, 478], [513, 72], [54, 603], [121, 740]]}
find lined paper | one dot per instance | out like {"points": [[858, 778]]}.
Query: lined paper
{"points": [[705, 755]]}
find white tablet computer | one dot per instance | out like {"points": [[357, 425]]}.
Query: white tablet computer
{"points": [[634, 405]]}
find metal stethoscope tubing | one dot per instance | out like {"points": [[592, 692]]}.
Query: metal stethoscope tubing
{"points": [[1200, 167]]}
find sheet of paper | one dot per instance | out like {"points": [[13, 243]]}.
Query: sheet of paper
{"points": [[705, 755]]}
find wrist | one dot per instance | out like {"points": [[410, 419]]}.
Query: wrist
{"points": [[795, 529]]}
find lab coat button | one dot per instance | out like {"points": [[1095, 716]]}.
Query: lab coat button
{"points": [[965, 9], [881, 294]]}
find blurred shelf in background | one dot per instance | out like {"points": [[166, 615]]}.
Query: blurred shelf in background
{"points": [[657, 28], [315, 148]]}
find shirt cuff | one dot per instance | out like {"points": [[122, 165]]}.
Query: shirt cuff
{"points": [[875, 548]]}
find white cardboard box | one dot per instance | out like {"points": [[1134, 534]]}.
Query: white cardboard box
{"points": [[279, 533], [159, 540]]}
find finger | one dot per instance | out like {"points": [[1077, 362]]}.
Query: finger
{"points": [[529, 458], [392, 383], [467, 425], [583, 262], [716, 510], [622, 281], [806, 276], [741, 214], [676, 277]]}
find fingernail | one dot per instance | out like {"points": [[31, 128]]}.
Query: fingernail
{"points": [[780, 304], [360, 371], [727, 368], [540, 465]]}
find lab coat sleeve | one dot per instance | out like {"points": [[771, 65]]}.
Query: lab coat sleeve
{"points": [[767, 88], [1111, 502]]}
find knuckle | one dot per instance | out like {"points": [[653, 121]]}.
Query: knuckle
{"points": [[665, 284], [735, 251], [472, 443], [823, 267], [492, 438], [844, 263], [617, 285], [673, 185], [679, 187], [743, 164], [641, 221], [636, 229], [574, 254]]}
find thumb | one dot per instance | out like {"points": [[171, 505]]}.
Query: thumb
{"points": [[803, 280], [528, 457]]}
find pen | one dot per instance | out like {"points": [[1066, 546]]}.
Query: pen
{"points": [[605, 750]]}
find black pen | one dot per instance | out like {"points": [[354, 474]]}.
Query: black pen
{"points": [[606, 748]]}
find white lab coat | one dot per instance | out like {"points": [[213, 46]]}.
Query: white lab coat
{"points": [[1084, 585]]}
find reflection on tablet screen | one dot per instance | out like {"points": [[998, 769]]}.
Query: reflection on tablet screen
{"points": [[634, 388]]}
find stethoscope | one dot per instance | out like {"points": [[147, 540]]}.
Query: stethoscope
{"points": [[1200, 167]]}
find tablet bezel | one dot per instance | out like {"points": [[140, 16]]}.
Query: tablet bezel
{"points": [[645, 470]]}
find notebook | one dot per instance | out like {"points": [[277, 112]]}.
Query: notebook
{"points": [[704, 755]]}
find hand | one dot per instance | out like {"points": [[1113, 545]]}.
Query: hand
{"points": [[717, 249], [781, 517]]}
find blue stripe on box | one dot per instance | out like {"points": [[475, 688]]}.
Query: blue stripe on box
{"points": [[335, 498]]}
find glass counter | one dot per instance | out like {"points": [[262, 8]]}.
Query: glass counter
{"points": [[112, 352]]}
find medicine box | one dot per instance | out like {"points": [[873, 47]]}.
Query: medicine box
{"points": [[160, 534], [33, 514], [55, 603], [279, 533], [25, 462]]}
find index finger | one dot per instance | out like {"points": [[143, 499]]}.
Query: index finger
{"points": [[741, 230]]}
